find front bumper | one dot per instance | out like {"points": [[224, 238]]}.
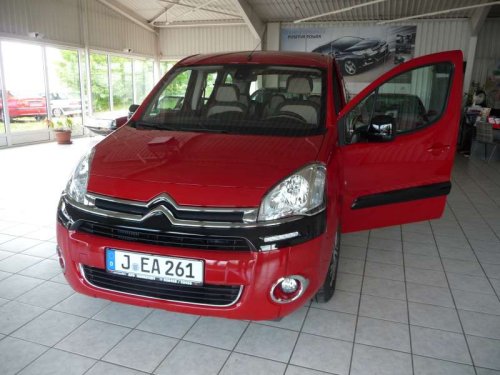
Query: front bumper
{"points": [[253, 270], [377, 56]]}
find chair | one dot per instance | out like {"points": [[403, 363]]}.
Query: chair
{"points": [[484, 134]]}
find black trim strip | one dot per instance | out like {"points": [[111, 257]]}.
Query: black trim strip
{"points": [[402, 195]]}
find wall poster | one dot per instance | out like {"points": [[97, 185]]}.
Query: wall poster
{"points": [[362, 52]]}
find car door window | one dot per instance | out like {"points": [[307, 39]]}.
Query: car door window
{"points": [[172, 98], [412, 100]]}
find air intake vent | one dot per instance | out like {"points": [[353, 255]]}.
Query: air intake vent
{"points": [[190, 241], [216, 295]]}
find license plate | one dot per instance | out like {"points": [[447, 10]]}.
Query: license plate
{"points": [[154, 267]]}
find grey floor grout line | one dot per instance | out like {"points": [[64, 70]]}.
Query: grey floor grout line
{"points": [[298, 336], [464, 193], [359, 303], [407, 304], [234, 347], [455, 304], [177, 343], [475, 255]]}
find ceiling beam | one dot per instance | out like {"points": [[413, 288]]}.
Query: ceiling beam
{"points": [[423, 15], [176, 18], [201, 8], [477, 19], [126, 12], [165, 25], [253, 21], [341, 10]]}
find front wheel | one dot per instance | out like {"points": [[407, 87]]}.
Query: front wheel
{"points": [[325, 293], [350, 67]]}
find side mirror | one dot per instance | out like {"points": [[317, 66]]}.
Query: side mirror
{"points": [[120, 121], [132, 109], [381, 129]]}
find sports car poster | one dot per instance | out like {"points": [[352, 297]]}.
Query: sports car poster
{"points": [[362, 52]]}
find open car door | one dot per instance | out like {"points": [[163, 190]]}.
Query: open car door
{"points": [[397, 143]]}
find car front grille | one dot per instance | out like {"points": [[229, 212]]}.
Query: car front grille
{"points": [[185, 240], [215, 295], [199, 215]]}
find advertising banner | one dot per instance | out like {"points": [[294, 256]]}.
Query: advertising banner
{"points": [[362, 52]]}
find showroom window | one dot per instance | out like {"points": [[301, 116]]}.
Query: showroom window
{"points": [[45, 81], [99, 83], [122, 86], [64, 86], [143, 79], [25, 86], [165, 66]]}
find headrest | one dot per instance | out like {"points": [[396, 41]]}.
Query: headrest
{"points": [[299, 85], [227, 93]]}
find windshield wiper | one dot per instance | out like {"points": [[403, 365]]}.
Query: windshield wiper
{"points": [[151, 125]]}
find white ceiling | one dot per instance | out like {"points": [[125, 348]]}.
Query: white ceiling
{"points": [[190, 12]]}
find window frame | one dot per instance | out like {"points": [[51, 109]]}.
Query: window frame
{"points": [[342, 122]]}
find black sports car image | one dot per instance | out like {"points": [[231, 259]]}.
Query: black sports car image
{"points": [[354, 53]]}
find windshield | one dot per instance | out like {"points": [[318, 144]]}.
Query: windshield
{"points": [[254, 99], [345, 42]]}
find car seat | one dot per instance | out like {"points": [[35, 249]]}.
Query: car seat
{"points": [[306, 109], [226, 101]]}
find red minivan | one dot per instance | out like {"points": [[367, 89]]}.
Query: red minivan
{"points": [[227, 191]]}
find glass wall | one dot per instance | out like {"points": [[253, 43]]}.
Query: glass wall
{"points": [[2, 115], [25, 86], [64, 86], [43, 81], [165, 66], [99, 83], [122, 85], [143, 79]]}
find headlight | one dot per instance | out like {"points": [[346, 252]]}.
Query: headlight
{"points": [[298, 194], [77, 184], [362, 52]]}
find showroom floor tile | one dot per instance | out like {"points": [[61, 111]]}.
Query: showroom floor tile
{"points": [[419, 299]]}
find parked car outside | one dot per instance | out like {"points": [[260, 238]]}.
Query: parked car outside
{"points": [[20, 105], [62, 104], [354, 53], [217, 205], [104, 123]]}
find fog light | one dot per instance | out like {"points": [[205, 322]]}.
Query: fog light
{"points": [[289, 285], [60, 256], [288, 289]]}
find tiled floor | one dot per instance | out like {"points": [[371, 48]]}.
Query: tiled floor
{"points": [[417, 299]]}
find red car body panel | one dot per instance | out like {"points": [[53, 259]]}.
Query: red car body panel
{"points": [[418, 158], [196, 169], [224, 170]]}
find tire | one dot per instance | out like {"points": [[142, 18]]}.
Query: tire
{"points": [[350, 68], [57, 112], [325, 293], [39, 118]]}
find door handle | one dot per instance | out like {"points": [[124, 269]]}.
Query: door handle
{"points": [[438, 148]]}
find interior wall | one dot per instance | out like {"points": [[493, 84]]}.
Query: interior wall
{"points": [[57, 20], [176, 43], [109, 30], [487, 51], [61, 22]]}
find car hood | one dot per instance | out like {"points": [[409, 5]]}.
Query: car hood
{"points": [[199, 169], [364, 44]]}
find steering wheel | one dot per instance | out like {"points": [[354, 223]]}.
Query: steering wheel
{"points": [[291, 115]]}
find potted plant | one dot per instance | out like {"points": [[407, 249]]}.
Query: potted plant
{"points": [[62, 129]]}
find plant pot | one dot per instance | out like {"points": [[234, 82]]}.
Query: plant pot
{"points": [[63, 137]]}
